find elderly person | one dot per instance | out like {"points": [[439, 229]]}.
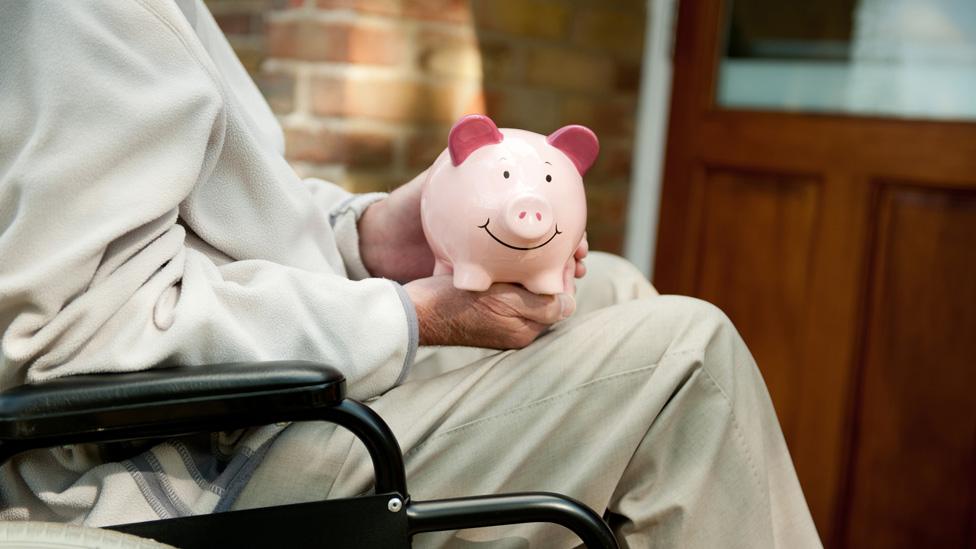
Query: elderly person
{"points": [[147, 217]]}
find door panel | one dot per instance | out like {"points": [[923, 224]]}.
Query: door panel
{"points": [[734, 258], [913, 458], [842, 247]]}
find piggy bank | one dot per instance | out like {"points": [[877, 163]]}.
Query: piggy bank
{"points": [[506, 205]]}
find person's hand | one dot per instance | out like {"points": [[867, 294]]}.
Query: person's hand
{"points": [[506, 316], [575, 268], [391, 238]]}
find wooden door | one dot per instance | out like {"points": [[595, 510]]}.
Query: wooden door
{"points": [[844, 249]]}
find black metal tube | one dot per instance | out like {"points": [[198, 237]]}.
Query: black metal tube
{"points": [[380, 441], [8, 450], [475, 512]]}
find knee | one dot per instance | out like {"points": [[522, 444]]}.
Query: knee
{"points": [[671, 323], [610, 280], [701, 326], [647, 331], [686, 325], [683, 314]]}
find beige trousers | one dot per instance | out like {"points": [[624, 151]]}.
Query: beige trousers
{"points": [[649, 407]]}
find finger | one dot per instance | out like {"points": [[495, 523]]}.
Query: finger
{"points": [[569, 284], [526, 336], [544, 309], [580, 269], [512, 338], [582, 249]]}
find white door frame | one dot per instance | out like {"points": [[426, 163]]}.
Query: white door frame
{"points": [[640, 239]]}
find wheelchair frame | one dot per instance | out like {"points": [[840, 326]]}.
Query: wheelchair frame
{"points": [[175, 401]]}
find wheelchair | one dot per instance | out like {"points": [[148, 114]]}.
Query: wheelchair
{"points": [[175, 401]]}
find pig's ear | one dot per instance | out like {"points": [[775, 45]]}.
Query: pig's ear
{"points": [[579, 143], [470, 134]]}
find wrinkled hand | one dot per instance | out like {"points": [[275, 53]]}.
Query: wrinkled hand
{"points": [[391, 238], [506, 316]]}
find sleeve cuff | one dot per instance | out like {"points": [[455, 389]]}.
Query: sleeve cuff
{"points": [[344, 219], [413, 333]]}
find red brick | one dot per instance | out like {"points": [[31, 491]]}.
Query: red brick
{"points": [[628, 76], [380, 7], [447, 54], [237, 23], [454, 11], [535, 18], [367, 181], [569, 69], [424, 147], [533, 110], [375, 45], [392, 99], [340, 42], [634, 5], [606, 198], [353, 149], [501, 62], [298, 39], [606, 213], [617, 30], [310, 146], [612, 117], [367, 150], [606, 238], [614, 161]]}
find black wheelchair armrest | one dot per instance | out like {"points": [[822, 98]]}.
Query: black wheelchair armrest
{"points": [[182, 400], [164, 402], [168, 402]]}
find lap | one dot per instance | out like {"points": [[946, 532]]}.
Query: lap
{"points": [[561, 415], [527, 406]]}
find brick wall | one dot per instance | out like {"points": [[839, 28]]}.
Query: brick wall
{"points": [[368, 89]]}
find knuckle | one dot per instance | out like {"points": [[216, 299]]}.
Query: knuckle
{"points": [[553, 310], [524, 337]]}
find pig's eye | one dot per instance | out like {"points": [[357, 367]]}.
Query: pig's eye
{"points": [[505, 174], [548, 178]]}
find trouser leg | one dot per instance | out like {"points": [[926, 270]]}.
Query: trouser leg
{"points": [[610, 280], [712, 469], [652, 409]]}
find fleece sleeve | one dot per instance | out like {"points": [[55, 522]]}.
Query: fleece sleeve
{"points": [[344, 210], [110, 120]]}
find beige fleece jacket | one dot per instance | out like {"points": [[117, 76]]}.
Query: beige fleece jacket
{"points": [[147, 217]]}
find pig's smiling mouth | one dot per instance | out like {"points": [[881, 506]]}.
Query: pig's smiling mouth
{"points": [[498, 240]]}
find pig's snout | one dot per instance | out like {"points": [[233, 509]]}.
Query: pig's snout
{"points": [[529, 217]]}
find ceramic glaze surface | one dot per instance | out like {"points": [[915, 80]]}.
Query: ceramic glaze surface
{"points": [[507, 205]]}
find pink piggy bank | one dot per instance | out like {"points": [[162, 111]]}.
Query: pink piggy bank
{"points": [[507, 205]]}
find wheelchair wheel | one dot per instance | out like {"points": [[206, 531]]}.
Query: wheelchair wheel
{"points": [[49, 535]]}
